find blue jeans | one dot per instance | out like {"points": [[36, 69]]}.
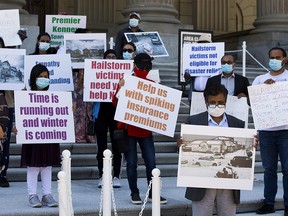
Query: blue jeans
{"points": [[148, 154], [272, 145]]}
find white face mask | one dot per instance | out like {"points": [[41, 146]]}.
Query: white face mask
{"points": [[133, 22], [44, 46], [216, 112]]}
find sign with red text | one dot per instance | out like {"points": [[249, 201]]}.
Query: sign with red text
{"points": [[269, 105], [101, 78], [58, 25], [148, 105], [202, 59], [44, 117]]}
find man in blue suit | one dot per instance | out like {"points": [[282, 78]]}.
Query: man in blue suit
{"points": [[203, 199]]}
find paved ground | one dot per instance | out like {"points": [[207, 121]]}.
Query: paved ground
{"points": [[86, 199]]}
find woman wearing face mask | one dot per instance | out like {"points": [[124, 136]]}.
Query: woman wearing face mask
{"points": [[43, 45], [129, 51], [39, 158], [134, 20]]}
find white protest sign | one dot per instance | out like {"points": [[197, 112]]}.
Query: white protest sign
{"points": [[269, 104], [44, 117], [84, 46], [148, 105], [58, 25], [60, 70], [101, 78], [202, 59], [154, 75], [12, 69], [9, 27], [234, 106]]}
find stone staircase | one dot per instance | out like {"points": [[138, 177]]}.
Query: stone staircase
{"points": [[84, 163]]}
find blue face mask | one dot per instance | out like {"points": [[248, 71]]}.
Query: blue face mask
{"points": [[127, 55], [133, 22], [227, 68], [275, 64], [42, 82]]}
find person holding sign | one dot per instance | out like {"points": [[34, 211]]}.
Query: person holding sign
{"points": [[236, 85], [197, 83], [273, 141], [142, 66], [203, 199], [39, 158], [43, 45], [134, 20], [103, 113]]}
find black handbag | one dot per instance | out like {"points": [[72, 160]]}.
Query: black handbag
{"points": [[121, 137], [90, 128]]}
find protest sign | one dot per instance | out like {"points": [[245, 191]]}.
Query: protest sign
{"points": [[84, 46], [60, 71], [147, 42], [202, 59], [234, 106], [269, 105], [9, 27], [186, 36], [44, 117], [148, 105], [58, 25], [12, 69], [216, 157], [101, 78]]}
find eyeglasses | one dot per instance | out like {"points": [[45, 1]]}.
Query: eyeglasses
{"points": [[128, 50], [213, 106]]}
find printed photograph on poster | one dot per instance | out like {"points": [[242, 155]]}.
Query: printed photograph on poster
{"points": [[147, 42], [216, 157], [186, 36], [84, 46], [12, 69]]}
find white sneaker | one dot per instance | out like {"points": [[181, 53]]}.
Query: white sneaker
{"points": [[100, 183], [116, 182]]}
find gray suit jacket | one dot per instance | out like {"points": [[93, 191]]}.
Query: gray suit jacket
{"points": [[197, 194]]}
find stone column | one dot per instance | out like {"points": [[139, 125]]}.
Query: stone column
{"points": [[13, 4], [271, 27], [272, 15]]}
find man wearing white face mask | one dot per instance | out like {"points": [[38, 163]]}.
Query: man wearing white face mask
{"points": [[237, 85], [203, 199], [274, 141], [134, 20]]}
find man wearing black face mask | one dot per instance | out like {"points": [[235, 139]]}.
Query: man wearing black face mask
{"points": [[273, 141], [203, 199], [134, 20], [143, 64]]}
